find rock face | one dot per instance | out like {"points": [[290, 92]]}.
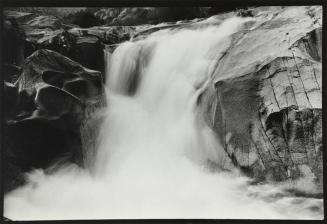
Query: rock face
{"points": [[134, 16], [107, 34], [25, 33], [47, 109], [267, 104], [89, 51], [14, 37], [42, 22]]}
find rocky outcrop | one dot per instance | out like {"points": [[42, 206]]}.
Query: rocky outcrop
{"points": [[14, 37], [46, 66], [42, 22], [89, 51], [107, 34], [134, 16], [267, 108], [25, 33], [47, 108], [20, 17]]}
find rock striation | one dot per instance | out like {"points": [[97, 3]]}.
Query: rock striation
{"points": [[267, 103]]}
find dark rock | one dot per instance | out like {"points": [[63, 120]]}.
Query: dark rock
{"points": [[82, 88], [36, 142], [89, 52], [26, 104], [48, 64], [133, 16], [107, 34], [83, 45], [84, 18], [29, 48], [57, 78], [20, 17], [14, 37], [13, 176], [57, 102], [10, 100], [58, 40], [11, 72], [245, 13], [47, 109]]}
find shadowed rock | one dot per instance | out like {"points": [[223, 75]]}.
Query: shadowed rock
{"points": [[53, 64], [14, 39], [10, 99], [47, 109], [89, 52], [11, 72]]}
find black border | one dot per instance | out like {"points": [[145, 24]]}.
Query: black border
{"points": [[161, 3], [158, 3]]}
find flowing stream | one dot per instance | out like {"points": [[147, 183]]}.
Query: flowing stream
{"points": [[154, 148]]}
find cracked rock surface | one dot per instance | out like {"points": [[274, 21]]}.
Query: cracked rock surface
{"points": [[268, 104]]}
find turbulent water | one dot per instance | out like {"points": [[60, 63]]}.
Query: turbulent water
{"points": [[154, 150]]}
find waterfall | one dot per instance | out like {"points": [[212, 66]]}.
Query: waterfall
{"points": [[156, 157]]}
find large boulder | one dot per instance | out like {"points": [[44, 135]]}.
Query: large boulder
{"points": [[82, 47], [267, 103], [50, 67], [30, 28], [48, 106], [41, 32]]}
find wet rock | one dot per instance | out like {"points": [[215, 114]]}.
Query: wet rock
{"points": [[47, 108], [311, 44], [268, 100], [84, 45], [55, 101], [245, 13], [37, 142], [11, 72], [85, 50], [41, 32], [52, 66], [107, 34], [42, 22]]}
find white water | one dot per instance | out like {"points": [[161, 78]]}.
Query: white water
{"points": [[152, 160]]}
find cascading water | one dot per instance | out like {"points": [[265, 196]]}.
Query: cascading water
{"points": [[154, 147]]}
